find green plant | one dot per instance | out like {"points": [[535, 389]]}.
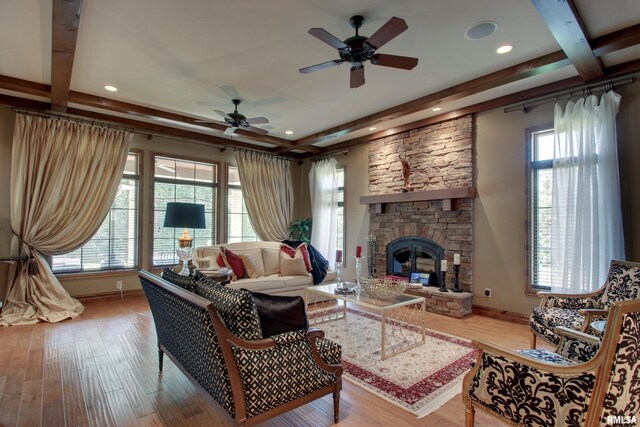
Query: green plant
{"points": [[300, 229]]}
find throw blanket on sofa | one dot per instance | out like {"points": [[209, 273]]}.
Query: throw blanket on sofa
{"points": [[318, 262]]}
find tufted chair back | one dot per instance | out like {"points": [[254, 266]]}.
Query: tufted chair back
{"points": [[623, 283]]}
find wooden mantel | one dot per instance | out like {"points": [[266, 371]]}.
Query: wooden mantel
{"points": [[447, 195]]}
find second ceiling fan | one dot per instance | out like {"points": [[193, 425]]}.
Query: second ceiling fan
{"points": [[236, 120], [358, 49]]}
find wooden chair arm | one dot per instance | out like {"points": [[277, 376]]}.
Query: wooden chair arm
{"points": [[591, 314], [566, 332]]}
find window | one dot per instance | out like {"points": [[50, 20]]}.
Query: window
{"points": [[115, 244], [178, 180], [340, 237], [540, 181], [239, 227]]}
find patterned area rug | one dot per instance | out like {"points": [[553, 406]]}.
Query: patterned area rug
{"points": [[419, 380]]}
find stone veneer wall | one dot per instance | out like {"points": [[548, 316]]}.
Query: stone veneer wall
{"points": [[441, 156]]}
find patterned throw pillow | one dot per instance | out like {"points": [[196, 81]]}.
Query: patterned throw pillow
{"points": [[292, 266], [252, 267], [236, 307], [230, 260], [188, 283], [302, 248]]}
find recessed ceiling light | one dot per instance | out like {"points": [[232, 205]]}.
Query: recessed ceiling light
{"points": [[373, 128], [481, 30], [111, 88], [288, 132], [504, 49], [437, 109]]}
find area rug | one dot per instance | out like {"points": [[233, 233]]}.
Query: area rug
{"points": [[419, 380]]}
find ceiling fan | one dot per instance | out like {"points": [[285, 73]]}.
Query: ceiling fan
{"points": [[236, 120], [358, 49]]}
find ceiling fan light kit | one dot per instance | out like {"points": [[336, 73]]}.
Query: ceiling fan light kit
{"points": [[357, 49]]}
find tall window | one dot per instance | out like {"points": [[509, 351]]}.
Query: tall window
{"points": [[540, 148], [239, 227], [340, 236], [115, 244], [178, 180]]}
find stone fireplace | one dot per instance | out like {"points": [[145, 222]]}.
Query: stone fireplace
{"points": [[414, 254]]}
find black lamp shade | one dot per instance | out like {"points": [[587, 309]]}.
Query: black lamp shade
{"points": [[184, 215]]}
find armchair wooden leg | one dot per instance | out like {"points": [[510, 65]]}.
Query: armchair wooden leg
{"points": [[336, 406], [533, 341], [469, 416], [160, 359]]}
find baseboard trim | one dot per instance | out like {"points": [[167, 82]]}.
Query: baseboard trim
{"points": [[495, 313], [109, 295]]}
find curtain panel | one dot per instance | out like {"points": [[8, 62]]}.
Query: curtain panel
{"points": [[586, 217], [323, 183], [267, 191], [64, 178]]}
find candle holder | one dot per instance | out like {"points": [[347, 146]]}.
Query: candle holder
{"points": [[443, 288], [358, 268], [456, 281], [339, 279], [371, 264]]}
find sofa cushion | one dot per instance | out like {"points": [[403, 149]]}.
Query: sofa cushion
{"points": [[280, 314], [188, 283], [261, 284], [271, 261], [295, 281], [552, 317], [236, 307]]}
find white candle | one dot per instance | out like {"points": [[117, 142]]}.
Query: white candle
{"points": [[443, 265], [456, 259]]}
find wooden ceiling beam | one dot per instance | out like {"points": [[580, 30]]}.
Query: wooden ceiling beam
{"points": [[66, 20], [618, 40], [566, 26]]}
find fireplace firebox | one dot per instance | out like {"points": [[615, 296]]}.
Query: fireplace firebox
{"points": [[415, 254]]}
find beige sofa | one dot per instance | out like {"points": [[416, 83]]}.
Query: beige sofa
{"points": [[269, 254]]}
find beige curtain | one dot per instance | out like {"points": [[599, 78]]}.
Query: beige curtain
{"points": [[64, 178], [267, 192]]}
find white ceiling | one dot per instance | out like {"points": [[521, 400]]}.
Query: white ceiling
{"points": [[193, 56]]}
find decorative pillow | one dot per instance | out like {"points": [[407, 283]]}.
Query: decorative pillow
{"points": [[271, 260], [252, 268], [302, 247], [188, 283], [280, 314], [292, 266], [237, 308], [256, 258], [232, 261]]}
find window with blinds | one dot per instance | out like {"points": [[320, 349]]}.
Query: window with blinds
{"points": [[115, 244], [340, 234], [186, 181], [539, 208], [239, 227]]}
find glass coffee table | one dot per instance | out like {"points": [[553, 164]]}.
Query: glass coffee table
{"points": [[395, 315]]}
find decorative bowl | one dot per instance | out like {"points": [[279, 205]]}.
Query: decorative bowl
{"points": [[385, 289]]}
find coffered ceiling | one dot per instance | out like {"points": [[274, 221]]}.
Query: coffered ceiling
{"points": [[174, 62]]}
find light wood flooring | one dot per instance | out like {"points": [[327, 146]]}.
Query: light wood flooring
{"points": [[101, 370]]}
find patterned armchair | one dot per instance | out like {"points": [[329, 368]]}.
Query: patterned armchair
{"points": [[213, 334], [603, 390], [579, 310]]}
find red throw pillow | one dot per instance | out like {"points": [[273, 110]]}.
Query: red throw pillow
{"points": [[301, 248], [232, 261]]}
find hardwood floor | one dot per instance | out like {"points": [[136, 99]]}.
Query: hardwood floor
{"points": [[101, 370]]}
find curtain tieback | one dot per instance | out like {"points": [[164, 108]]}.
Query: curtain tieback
{"points": [[32, 268]]}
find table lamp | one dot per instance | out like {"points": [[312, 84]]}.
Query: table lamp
{"points": [[185, 215]]}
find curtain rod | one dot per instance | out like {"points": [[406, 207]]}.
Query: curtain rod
{"points": [[321, 157], [264, 153], [71, 117], [570, 93]]}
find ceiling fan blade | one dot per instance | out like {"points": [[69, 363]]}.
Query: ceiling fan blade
{"points": [[322, 66], [328, 38], [395, 61], [230, 130], [223, 114], [258, 121], [357, 76], [387, 32], [256, 130]]}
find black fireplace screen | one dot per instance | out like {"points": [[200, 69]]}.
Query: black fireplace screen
{"points": [[415, 254]]}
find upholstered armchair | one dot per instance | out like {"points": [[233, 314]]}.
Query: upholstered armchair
{"points": [[572, 388], [577, 311]]}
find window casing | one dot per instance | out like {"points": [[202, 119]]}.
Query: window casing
{"points": [[340, 234], [540, 184], [187, 181], [115, 246], [239, 228]]}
